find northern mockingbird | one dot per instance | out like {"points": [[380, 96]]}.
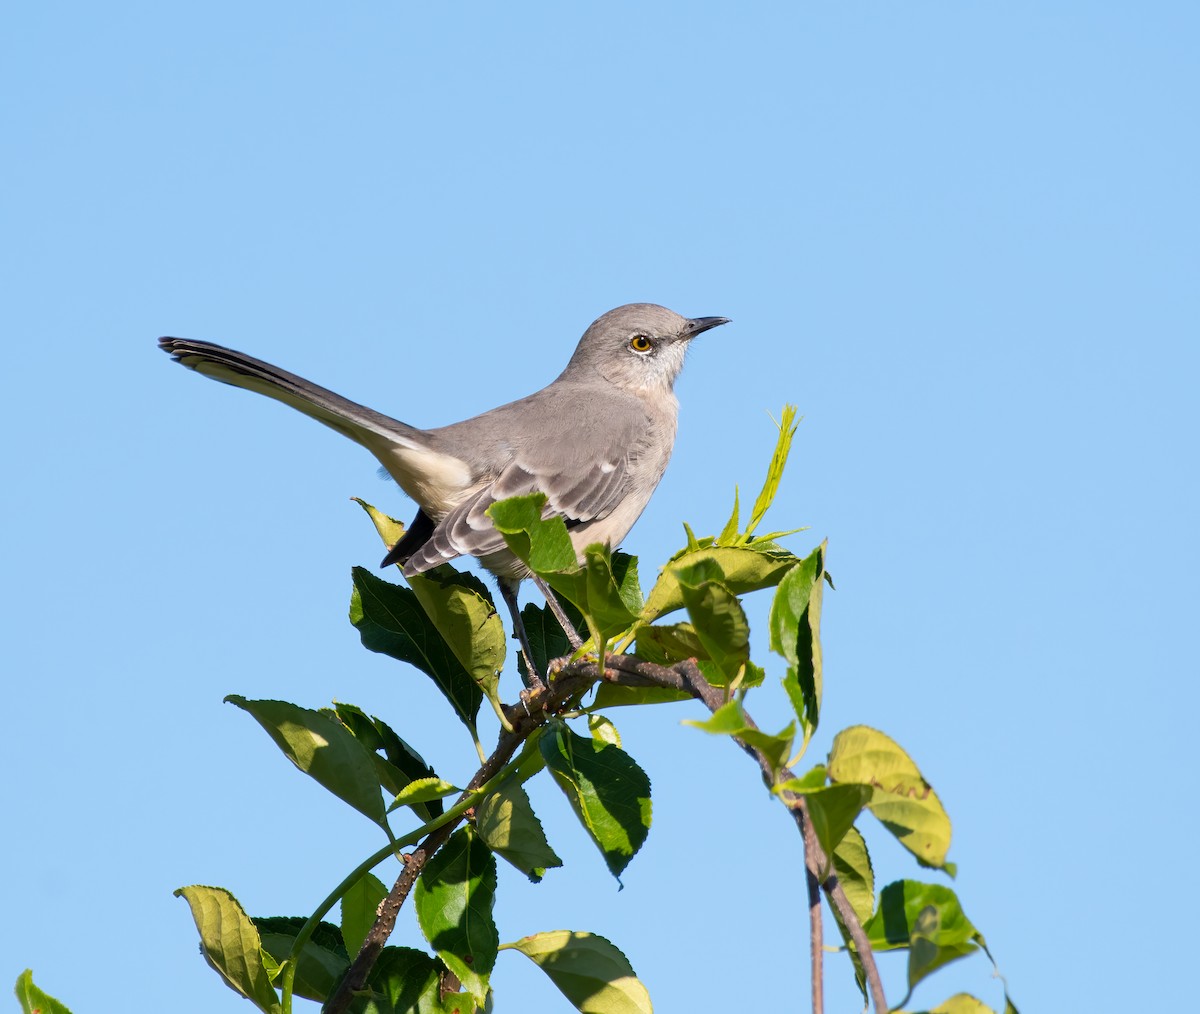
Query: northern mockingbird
{"points": [[595, 441]]}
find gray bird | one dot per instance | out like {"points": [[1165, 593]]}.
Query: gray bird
{"points": [[595, 441]]}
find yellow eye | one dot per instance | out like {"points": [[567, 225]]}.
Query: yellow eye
{"points": [[640, 343]]}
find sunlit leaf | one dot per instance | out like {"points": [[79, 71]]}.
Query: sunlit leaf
{"points": [[231, 944], [360, 909], [603, 730], [925, 918], [783, 446], [463, 613], [589, 971], [34, 1000], [902, 800], [730, 720], [740, 568], [391, 530], [323, 749], [507, 824], [423, 790]]}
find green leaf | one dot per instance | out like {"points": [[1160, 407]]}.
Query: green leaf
{"points": [[589, 971], [231, 944], [390, 620], [546, 638], [852, 864], [323, 749], [607, 600], [740, 568], [540, 541], [399, 766], [507, 824], [729, 534], [323, 959], [603, 730], [607, 790], [783, 446], [730, 720], [720, 624], [666, 645], [927, 919], [408, 981], [390, 529], [834, 810], [611, 695], [360, 908], [812, 779], [422, 790], [902, 800], [33, 1000], [463, 613], [795, 624], [962, 1003], [625, 573], [454, 898]]}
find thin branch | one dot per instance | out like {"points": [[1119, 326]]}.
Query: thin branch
{"points": [[524, 723], [687, 676]]}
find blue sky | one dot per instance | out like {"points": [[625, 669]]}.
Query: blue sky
{"points": [[961, 238]]}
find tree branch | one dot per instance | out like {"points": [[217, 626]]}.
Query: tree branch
{"points": [[525, 720], [633, 671]]}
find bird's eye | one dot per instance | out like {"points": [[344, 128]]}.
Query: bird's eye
{"points": [[640, 343]]}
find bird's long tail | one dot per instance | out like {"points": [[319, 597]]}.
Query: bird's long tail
{"points": [[361, 424]]}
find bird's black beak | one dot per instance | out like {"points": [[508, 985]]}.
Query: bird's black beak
{"points": [[698, 325]]}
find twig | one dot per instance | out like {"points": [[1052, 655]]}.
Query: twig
{"points": [[524, 723]]}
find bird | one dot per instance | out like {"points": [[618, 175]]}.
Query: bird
{"points": [[595, 441]]}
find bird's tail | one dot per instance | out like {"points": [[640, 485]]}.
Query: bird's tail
{"points": [[362, 425]]}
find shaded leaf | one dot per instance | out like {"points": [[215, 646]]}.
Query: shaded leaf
{"points": [[546, 638], [34, 1000], [668, 644], [408, 981], [902, 801], [607, 790], [454, 898], [231, 944], [360, 908], [507, 824], [323, 749], [400, 764], [852, 864], [927, 919], [720, 624], [795, 625], [390, 620], [589, 971], [834, 810], [323, 959]]}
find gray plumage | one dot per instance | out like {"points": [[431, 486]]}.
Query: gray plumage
{"points": [[596, 440]]}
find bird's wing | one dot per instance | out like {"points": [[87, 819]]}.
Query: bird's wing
{"points": [[580, 486]]}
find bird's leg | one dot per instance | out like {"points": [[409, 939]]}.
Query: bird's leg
{"points": [[564, 621], [508, 592]]}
